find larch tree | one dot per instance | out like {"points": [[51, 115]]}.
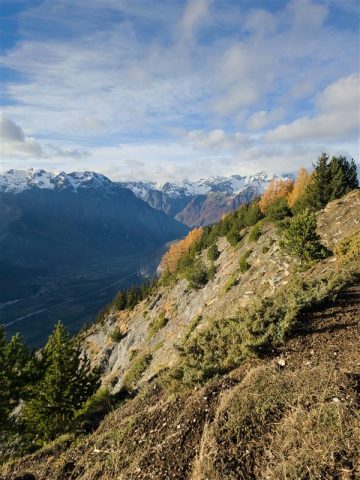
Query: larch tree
{"points": [[303, 179], [171, 258], [277, 188]]}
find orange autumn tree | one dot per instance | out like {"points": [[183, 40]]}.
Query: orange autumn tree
{"points": [[303, 179], [276, 189], [177, 250]]}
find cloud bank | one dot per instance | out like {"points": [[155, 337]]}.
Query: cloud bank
{"points": [[170, 89]]}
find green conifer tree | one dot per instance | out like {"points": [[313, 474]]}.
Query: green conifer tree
{"points": [[67, 383], [332, 180], [15, 373], [300, 238]]}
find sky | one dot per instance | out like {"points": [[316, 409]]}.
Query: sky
{"points": [[174, 89]]}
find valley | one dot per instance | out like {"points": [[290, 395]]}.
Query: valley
{"points": [[74, 297]]}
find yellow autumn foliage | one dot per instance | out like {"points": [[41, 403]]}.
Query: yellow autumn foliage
{"points": [[303, 179], [177, 250], [276, 189]]}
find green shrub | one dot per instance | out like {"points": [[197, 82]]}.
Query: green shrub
{"points": [[234, 236], [158, 323], [243, 263], [300, 239], [136, 370], [231, 282], [226, 342], [213, 253], [211, 271], [117, 335], [348, 249], [133, 353], [278, 210], [197, 275], [255, 233], [100, 401], [192, 325]]}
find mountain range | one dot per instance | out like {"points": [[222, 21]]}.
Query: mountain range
{"points": [[194, 203], [202, 202], [68, 242]]}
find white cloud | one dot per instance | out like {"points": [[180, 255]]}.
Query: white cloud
{"points": [[263, 118], [14, 143], [195, 11], [337, 118], [307, 14], [216, 140]]}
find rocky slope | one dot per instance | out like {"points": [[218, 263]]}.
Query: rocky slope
{"points": [[292, 413], [270, 269]]}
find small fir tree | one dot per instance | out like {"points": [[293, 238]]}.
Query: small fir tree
{"points": [[15, 373], [67, 383], [300, 238], [213, 252]]}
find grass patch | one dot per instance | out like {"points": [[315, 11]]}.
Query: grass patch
{"points": [[284, 426], [136, 370], [243, 263], [157, 324], [230, 283], [117, 335]]}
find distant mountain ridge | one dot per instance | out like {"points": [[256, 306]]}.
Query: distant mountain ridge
{"points": [[16, 181], [68, 242], [202, 202], [194, 203]]}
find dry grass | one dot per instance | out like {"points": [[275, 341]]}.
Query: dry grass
{"points": [[284, 426]]}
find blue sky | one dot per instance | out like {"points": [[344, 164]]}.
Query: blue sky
{"points": [[173, 89]]}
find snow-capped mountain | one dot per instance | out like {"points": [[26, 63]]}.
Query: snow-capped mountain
{"points": [[194, 203], [16, 181], [204, 201], [228, 185]]}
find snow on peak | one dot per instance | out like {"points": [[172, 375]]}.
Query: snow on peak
{"points": [[16, 181], [228, 185]]}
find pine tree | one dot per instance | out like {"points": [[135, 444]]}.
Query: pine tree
{"points": [[332, 179], [343, 176], [252, 214], [213, 252], [67, 383], [300, 238], [15, 373]]}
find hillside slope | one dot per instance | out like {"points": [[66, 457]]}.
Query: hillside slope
{"points": [[288, 412], [295, 401]]}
